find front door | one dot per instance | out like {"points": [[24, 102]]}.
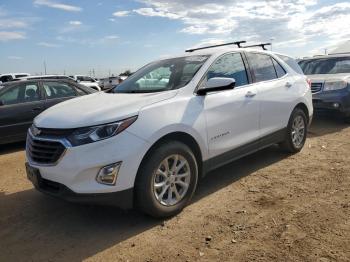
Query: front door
{"points": [[233, 115]]}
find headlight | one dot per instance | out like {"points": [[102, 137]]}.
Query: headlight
{"points": [[334, 85], [92, 134]]}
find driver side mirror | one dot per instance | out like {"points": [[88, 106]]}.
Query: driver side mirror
{"points": [[217, 84], [2, 103]]}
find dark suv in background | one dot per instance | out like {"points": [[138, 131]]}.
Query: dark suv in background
{"points": [[22, 101], [330, 82]]}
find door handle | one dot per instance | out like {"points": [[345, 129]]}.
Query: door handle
{"points": [[288, 85], [250, 94], [37, 109]]}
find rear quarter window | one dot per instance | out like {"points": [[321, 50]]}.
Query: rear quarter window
{"points": [[292, 63]]}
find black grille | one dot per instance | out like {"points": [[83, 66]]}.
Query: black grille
{"points": [[51, 132], [44, 152], [316, 87]]}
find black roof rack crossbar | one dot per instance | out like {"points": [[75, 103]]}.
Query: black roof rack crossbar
{"points": [[263, 46], [238, 43]]}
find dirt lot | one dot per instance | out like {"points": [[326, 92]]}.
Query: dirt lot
{"points": [[265, 207]]}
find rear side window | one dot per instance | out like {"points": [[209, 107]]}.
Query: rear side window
{"points": [[58, 90], [229, 66], [262, 67], [292, 63]]}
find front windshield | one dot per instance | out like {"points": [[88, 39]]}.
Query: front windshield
{"points": [[168, 74], [334, 65]]}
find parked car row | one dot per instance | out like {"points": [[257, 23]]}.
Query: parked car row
{"points": [[11, 76], [83, 80]]}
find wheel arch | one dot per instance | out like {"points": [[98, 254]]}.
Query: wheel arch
{"points": [[303, 107], [179, 136]]}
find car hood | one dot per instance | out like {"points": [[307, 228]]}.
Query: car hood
{"points": [[328, 77], [98, 108]]}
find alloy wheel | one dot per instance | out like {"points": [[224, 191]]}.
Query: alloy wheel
{"points": [[172, 180], [298, 131]]}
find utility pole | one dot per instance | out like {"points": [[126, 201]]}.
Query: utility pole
{"points": [[45, 67]]}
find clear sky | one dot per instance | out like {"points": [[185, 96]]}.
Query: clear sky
{"points": [[78, 36]]}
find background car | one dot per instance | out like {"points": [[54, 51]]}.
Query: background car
{"points": [[110, 82], [10, 76], [86, 81], [21, 101], [330, 83]]}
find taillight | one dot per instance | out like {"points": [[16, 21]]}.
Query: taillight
{"points": [[308, 82]]}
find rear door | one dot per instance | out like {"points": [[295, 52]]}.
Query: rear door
{"points": [[275, 88], [21, 103], [57, 91]]}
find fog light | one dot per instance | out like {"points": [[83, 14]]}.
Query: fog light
{"points": [[335, 105], [108, 175]]}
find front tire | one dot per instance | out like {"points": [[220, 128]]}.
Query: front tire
{"points": [[296, 132], [167, 180]]}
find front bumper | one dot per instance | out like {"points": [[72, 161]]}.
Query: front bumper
{"points": [[76, 170], [338, 101], [122, 199]]}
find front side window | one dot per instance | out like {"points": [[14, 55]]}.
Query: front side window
{"points": [[168, 74], [335, 65], [58, 90], [21, 94], [262, 67], [229, 66]]}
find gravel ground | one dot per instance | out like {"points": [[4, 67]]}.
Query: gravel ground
{"points": [[265, 207]]}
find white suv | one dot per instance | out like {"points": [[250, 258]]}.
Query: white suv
{"points": [[145, 146]]}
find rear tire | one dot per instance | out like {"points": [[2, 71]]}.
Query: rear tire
{"points": [[167, 180], [296, 132]]}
